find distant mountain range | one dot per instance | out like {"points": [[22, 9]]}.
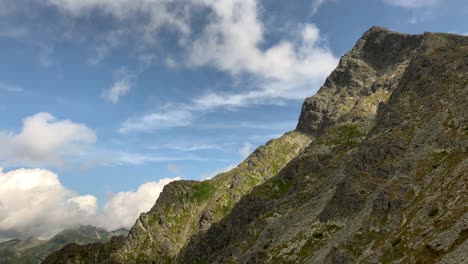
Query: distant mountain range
{"points": [[32, 251]]}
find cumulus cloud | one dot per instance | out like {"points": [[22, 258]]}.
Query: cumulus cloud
{"points": [[412, 3], [34, 203], [44, 140], [231, 42], [123, 208]]}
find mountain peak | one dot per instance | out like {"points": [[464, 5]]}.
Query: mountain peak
{"points": [[374, 173]]}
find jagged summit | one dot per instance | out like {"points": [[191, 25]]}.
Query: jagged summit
{"points": [[376, 172], [379, 56]]}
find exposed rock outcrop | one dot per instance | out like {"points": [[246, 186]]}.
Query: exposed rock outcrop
{"points": [[384, 185]]}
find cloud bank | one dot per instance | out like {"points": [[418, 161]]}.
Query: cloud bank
{"points": [[33, 203]]}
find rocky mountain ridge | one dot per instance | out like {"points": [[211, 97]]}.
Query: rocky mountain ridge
{"points": [[34, 250], [376, 172]]}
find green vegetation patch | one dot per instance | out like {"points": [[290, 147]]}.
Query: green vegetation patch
{"points": [[203, 191], [396, 252], [345, 135]]}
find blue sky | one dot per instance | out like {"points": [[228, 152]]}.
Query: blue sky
{"points": [[104, 96]]}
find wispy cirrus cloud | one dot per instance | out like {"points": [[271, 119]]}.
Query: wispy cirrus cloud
{"points": [[10, 88], [412, 3], [165, 119], [129, 158], [316, 4], [122, 85], [231, 38]]}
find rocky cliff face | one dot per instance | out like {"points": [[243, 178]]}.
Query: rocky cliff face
{"points": [[383, 177], [384, 181], [186, 208]]}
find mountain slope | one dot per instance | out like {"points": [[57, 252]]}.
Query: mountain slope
{"points": [[34, 250], [188, 207], [185, 208], [375, 188], [380, 177]]}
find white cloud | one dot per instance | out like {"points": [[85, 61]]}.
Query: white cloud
{"points": [[232, 41], [246, 150], [231, 37], [123, 208], [118, 89], [158, 120], [192, 147], [138, 159], [316, 4], [34, 203], [412, 3], [10, 88], [143, 17], [121, 86], [44, 140], [284, 126]]}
